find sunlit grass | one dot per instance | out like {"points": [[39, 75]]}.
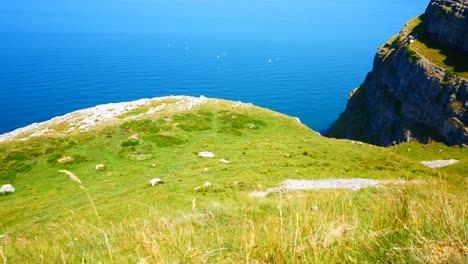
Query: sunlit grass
{"points": [[115, 215]]}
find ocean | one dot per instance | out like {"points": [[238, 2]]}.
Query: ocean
{"points": [[301, 58]]}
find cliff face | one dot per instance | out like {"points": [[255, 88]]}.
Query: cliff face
{"points": [[407, 96], [447, 22]]}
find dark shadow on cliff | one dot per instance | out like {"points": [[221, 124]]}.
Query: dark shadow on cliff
{"points": [[453, 57]]}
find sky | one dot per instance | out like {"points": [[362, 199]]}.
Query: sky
{"points": [[150, 16]]}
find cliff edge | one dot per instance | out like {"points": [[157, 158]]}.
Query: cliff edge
{"points": [[418, 87], [447, 23]]}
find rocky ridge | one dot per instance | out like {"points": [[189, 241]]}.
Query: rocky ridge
{"points": [[86, 119], [407, 96]]}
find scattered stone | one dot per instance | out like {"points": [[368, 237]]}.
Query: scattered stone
{"points": [[100, 167], [86, 119], [241, 105], [439, 163], [155, 181], [224, 161], [203, 187], [314, 208], [205, 169], [7, 188], [206, 154]]}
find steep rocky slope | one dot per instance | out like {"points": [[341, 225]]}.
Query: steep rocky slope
{"points": [[446, 22], [418, 87]]}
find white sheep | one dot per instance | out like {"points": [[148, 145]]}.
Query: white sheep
{"points": [[155, 181], [100, 167], [206, 154], [7, 188]]}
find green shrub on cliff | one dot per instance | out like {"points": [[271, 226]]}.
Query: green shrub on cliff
{"points": [[412, 55]]}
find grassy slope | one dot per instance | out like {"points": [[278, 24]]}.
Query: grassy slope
{"points": [[52, 219]]}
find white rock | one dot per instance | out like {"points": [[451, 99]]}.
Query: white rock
{"points": [[100, 167], [7, 188], [258, 194], [439, 163], [155, 181], [203, 187], [86, 119], [224, 161], [206, 154]]}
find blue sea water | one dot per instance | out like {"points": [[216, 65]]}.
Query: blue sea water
{"points": [[298, 57]]}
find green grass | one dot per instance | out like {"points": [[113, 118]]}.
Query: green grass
{"points": [[115, 216], [144, 109]]}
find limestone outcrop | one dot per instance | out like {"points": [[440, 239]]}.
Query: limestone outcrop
{"points": [[408, 96], [447, 22]]}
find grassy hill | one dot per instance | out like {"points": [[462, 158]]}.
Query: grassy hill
{"points": [[114, 215]]}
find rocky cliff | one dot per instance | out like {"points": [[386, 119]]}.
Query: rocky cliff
{"points": [[447, 22], [418, 87]]}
